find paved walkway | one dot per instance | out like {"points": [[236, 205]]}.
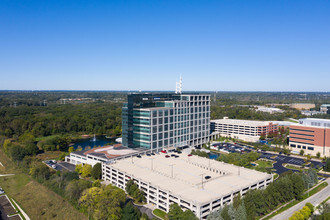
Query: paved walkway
{"points": [[316, 199], [21, 210]]}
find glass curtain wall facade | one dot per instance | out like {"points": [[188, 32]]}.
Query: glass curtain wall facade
{"points": [[166, 120]]}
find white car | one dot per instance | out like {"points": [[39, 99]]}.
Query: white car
{"points": [[54, 166]]}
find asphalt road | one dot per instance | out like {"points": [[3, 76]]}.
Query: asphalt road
{"points": [[316, 199]]}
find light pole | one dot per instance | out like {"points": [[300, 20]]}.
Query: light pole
{"points": [[152, 163], [202, 180], [172, 170], [308, 188]]}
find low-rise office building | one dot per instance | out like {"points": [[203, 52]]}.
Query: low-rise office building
{"points": [[199, 184], [101, 154], [325, 108], [245, 130], [311, 135]]}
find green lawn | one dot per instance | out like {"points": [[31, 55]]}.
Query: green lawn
{"points": [[293, 167], [35, 199], [263, 163], [160, 213], [46, 137]]}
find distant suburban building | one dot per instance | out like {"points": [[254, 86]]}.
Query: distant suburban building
{"points": [[269, 110], [245, 130], [311, 135], [325, 108], [195, 183], [311, 113], [302, 106], [157, 121]]}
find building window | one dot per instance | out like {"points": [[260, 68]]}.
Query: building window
{"points": [[310, 148]]}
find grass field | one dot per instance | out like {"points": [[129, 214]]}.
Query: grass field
{"points": [[160, 214], [35, 199], [263, 163], [50, 155]]}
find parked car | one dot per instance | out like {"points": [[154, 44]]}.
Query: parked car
{"points": [[167, 156], [208, 177], [138, 156], [54, 166]]}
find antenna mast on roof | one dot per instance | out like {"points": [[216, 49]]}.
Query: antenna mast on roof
{"points": [[178, 86]]}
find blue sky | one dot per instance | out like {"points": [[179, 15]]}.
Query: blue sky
{"points": [[266, 45]]}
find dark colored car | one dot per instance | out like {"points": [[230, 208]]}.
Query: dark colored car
{"points": [[208, 177], [139, 156], [167, 156]]}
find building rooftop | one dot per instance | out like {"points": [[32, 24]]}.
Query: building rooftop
{"points": [[183, 176], [315, 122], [241, 122], [109, 152]]}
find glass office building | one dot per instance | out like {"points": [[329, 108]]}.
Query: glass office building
{"points": [[166, 120]]}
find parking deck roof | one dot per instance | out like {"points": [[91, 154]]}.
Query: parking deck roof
{"points": [[183, 176]]}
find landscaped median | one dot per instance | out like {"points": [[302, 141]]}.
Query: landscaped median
{"points": [[294, 202]]}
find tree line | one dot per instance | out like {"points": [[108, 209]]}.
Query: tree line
{"points": [[259, 202], [98, 118]]}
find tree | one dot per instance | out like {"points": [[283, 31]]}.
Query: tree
{"points": [[327, 165], [89, 199], [262, 136], [109, 203], [318, 154], [130, 212], [17, 153], [31, 149], [97, 183], [97, 171], [188, 215], [6, 145], [310, 206], [298, 185], [78, 168], [301, 152], [133, 190], [71, 149], [39, 171], [175, 212], [86, 170], [75, 188]]}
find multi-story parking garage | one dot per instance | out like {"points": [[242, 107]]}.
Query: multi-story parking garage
{"points": [[193, 182], [245, 130]]}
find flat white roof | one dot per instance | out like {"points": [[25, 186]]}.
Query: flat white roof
{"points": [[241, 122], [188, 173]]}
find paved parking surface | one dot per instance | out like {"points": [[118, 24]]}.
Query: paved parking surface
{"points": [[281, 159]]}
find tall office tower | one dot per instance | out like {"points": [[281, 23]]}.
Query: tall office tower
{"points": [[166, 120]]}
